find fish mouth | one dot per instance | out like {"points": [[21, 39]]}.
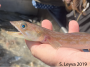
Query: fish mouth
{"points": [[15, 34]]}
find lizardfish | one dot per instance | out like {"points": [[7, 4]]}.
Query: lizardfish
{"points": [[34, 32]]}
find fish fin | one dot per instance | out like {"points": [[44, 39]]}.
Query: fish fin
{"points": [[55, 44]]}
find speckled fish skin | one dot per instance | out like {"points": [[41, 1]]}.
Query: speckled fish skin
{"points": [[33, 32]]}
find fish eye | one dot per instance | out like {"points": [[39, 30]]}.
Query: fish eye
{"points": [[23, 26]]}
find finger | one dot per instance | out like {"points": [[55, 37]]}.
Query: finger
{"points": [[73, 26], [47, 24], [32, 44]]}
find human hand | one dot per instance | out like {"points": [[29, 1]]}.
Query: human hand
{"points": [[51, 56]]}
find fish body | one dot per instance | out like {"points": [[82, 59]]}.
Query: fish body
{"points": [[33, 32]]}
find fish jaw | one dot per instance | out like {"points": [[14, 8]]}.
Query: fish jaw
{"points": [[16, 24], [15, 34]]}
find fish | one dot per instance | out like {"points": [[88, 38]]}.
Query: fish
{"points": [[32, 32]]}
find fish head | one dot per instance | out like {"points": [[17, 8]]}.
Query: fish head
{"points": [[28, 30]]}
